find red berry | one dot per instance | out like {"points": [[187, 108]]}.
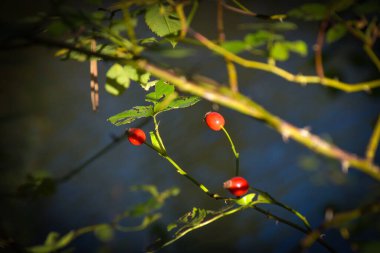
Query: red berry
{"points": [[136, 136], [238, 186], [214, 120]]}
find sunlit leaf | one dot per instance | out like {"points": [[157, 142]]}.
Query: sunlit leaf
{"points": [[162, 89], [279, 51], [161, 21], [246, 200], [156, 143], [260, 38], [234, 46], [131, 115], [335, 32], [298, 46]]}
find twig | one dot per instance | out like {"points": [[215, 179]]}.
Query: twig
{"points": [[301, 79], [242, 104], [101, 152], [318, 49], [94, 84], [231, 70], [338, 220], [293, 225], [182, 19], [374, 141]]}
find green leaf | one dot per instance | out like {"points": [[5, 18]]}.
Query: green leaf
{"points": [[260, 38], [148, 85], [335, 33], [131, 115], [162, 89], [183, 102], [246, 200], [53, 243], [234, 46], [119, 78], [312, 11], [156, 143], [279, 51], [298, 46], [104, 232], [161, 21], [272, 26]]}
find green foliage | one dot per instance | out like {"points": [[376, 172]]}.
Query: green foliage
{"points": [[335, 32], [53, 242], [270, 26], [162, 20], [105, 231], [164, 98], [35, 187], [310, 12], [280, 50], [119, 78]]}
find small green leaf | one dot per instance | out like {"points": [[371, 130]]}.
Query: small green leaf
{"points": [[148, 85], [117, 80], [260, 38], [312, 11], [131, 72], [279, 51], [161, 21], [162, 89], [246, 200], [263, 199], [171, 226], [335, 33], [298, 46], [104, 232], [234, 46], [156, 143], [183, 102], [131, 115]]}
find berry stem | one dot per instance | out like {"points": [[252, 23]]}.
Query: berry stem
{"points": [[236, 154], [162, 152]]}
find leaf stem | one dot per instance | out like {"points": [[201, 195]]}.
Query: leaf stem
{"points": [[374, 141], [236, 154]]}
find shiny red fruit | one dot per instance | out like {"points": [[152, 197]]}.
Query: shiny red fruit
{"points": [[214, 121], [136, 136], [237, 186]]}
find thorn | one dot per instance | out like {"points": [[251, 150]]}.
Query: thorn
{"points": [[305, 132], [345, 165], [285, 135]]}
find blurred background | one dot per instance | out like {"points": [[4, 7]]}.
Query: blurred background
{"points": [[49, 129]]}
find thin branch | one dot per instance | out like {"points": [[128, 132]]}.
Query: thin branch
{"points": [[318, 49], [242, 104], [301, 79], [293, 225], [338, 220], [94, 84], [374, 141], [182, 19], [231, 70]]}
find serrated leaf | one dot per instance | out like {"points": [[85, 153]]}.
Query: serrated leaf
{"points": [[183, 102], [279, 51], [161, 21], [117, 80], [234, 46], [162, 89], [335, 33], [131, 115], [104, 232], [312, 11]]}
